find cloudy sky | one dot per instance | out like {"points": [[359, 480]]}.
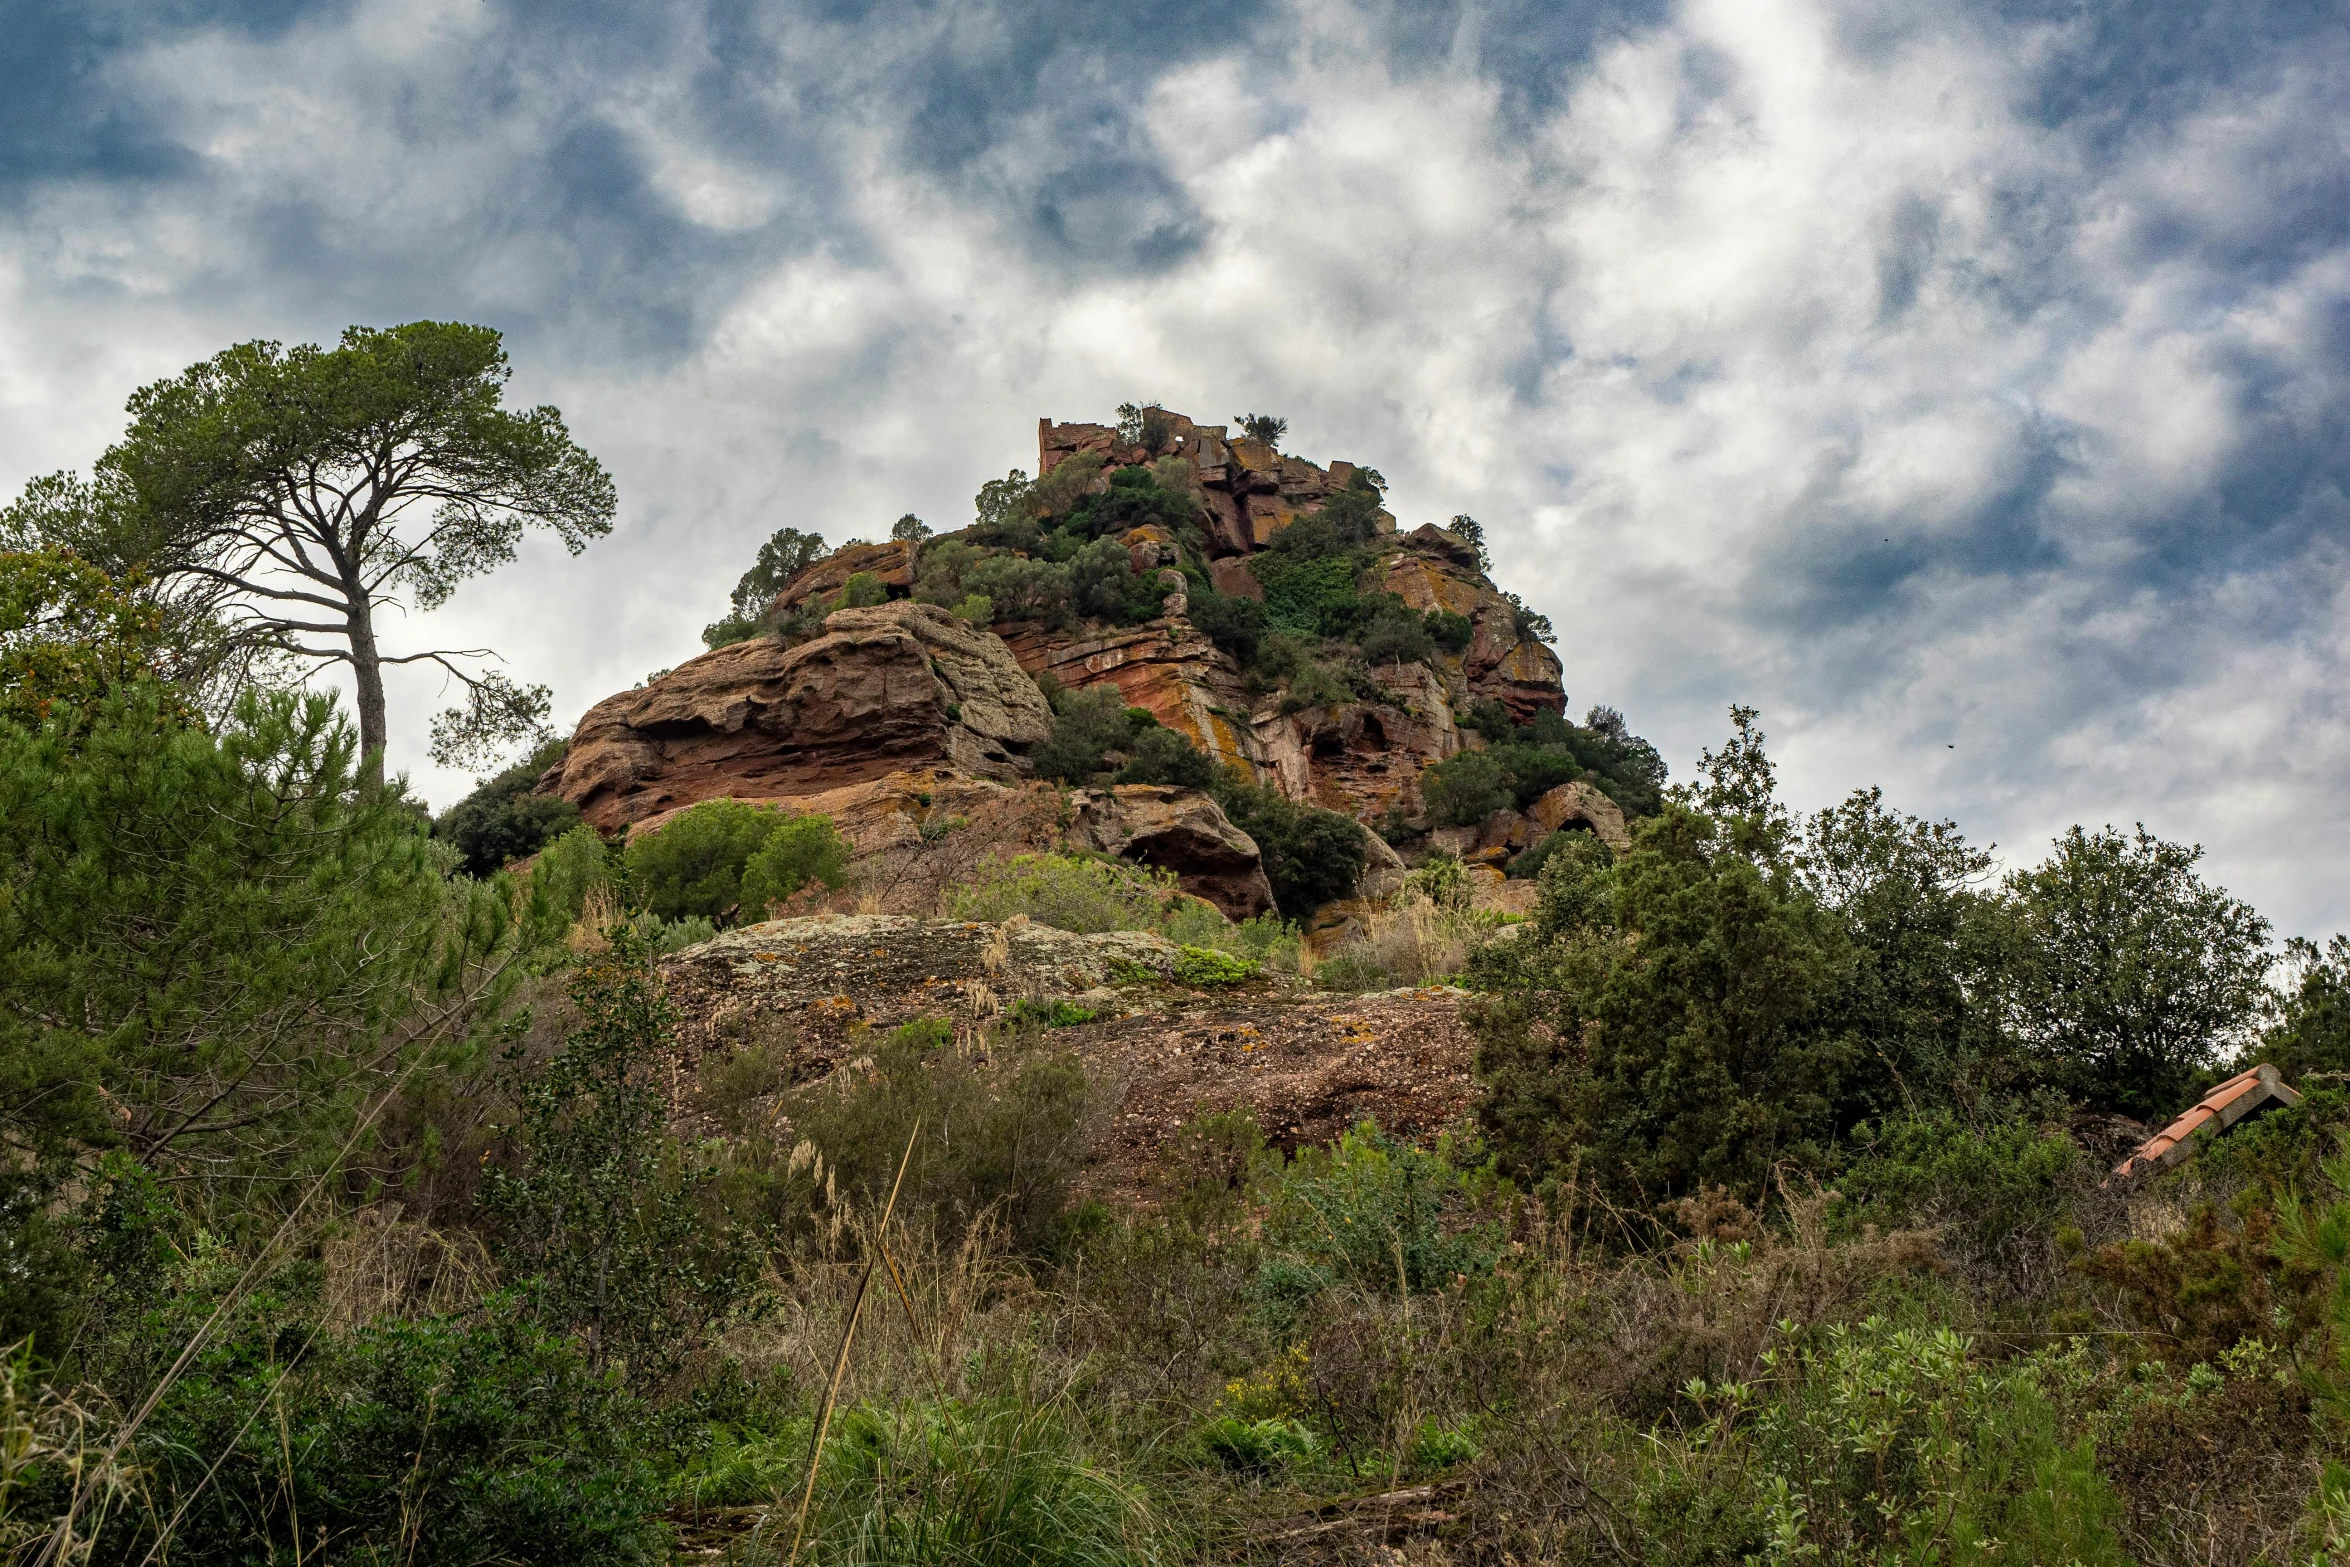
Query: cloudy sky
{"points": [[1964, 385]]}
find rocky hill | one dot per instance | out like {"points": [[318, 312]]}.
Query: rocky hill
{"points": [[1267, 609]]}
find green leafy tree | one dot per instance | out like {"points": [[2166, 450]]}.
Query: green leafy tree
{"points": [[1931, 947], [2308, 1029], [1311, 856], [2132, 972], [70, 637], [1678, 1028], [505, 819], [1004, 512], [801, 849], [1397, 636], [305, 489], [1463, 790], [1087, 726], [1161, 756], [1021, 588], [599, 1205], [786, 554], [1471, 532]]}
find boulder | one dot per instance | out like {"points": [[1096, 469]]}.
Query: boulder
{"points": [[1581, 804], [1506, 829], [884, 689], [892, 562], [1179, 830], [1383, 869]]}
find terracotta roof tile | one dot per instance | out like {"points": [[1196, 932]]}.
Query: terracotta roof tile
{"points": [[2247, 1093]]}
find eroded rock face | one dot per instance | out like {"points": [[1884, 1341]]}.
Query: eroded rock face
{"points": [[884, 689], [1180, 830], [1433, 569], [892, 563], [1167, 667], [1581, 804]]}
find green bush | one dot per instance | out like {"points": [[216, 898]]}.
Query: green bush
{"points": [[1021, 588], [799, 850], [718, 856], [1311, 855], [1266, 939], [1087, 726], [1888, 1443], [1047, 1014], [435, 1442], [1161, 756], [1449, 631], [1135, 499], [600, 1209], [1201, 967], [1258, 1447], [1001, 1137], [1313, 595], [1057, 493], [503, 821], [1463, 790], [1372, 1212], [693, 863], [1235, 624], [1991, 1190], [1397, 636], [1082, 893], [569, 869], [863, 590]]}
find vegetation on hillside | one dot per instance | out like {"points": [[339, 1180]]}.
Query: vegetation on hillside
{"points": [[364, 1200]]}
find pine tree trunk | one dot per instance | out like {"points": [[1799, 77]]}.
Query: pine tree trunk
{"points": [[367, 670]]}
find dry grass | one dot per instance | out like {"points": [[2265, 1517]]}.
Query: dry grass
{"points": [[387, 1265]]}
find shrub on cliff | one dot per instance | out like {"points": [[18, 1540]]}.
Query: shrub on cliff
{"points": [[786, 554], [1397, 636], [1087, 726], [1463, 790], [502, 821], [1161, 756], [1021, 588], [696, 863], [1135, 499], [1311, 855], [1235, 624]]}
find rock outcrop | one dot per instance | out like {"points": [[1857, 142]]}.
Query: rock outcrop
{"points": [[913, 729], [1179, 830], [884, 689]]}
